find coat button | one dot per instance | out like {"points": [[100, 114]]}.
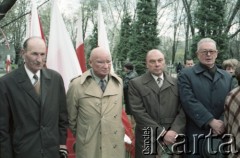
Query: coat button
{"points": [[115, 132], [115, 116], [114, 146]]}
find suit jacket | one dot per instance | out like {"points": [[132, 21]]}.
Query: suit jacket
{"points": [[154, 108], [32, 126], [95, 117]]}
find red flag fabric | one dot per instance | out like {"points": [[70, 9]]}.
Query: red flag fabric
{"points": [[129, 132], [80, 45]]}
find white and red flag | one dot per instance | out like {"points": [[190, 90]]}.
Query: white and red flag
{"points": [[61, 53], [8, 64], [62, 57], [34, 26], [129, 138], [80, 45]]}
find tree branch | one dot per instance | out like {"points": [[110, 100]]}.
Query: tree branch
{"points": [[234, 34], [5, 6], [235, 10]]}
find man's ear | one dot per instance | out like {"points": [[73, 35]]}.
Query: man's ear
{"points": [[22, 53], [90, 62]]}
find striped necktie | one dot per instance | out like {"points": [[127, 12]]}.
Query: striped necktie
{"points": [[159, 82], [36, 84]]}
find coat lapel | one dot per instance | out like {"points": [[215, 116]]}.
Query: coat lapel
{"points": [[93, 89], [167, 82], [111, 90], [45, 84], [217, 76], [149, 81], [26, 84]]}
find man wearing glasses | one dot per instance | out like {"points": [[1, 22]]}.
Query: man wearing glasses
{"points": [[94, 103], [203, 90]]}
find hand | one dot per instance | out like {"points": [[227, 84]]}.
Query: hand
{"points": [[170, 137], [63, 151], [74, 146], [217, 126]]}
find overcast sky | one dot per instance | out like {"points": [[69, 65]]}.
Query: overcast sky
{"points": [[67, 7]]}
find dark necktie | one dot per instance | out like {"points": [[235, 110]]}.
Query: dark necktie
{"points": [[36, 84], [103, 85]]}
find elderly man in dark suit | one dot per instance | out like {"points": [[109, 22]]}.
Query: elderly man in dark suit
{"points": [[203, 89], [156, 107], [33, 114]]}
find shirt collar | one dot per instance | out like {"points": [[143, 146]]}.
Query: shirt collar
{"points": [[30, 74], [156, 77], [97, 79]]}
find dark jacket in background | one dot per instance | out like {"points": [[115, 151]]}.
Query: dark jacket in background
{"points": [[130, 75]]}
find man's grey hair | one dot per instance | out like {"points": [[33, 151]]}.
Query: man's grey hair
{"points": [[203, 40]]}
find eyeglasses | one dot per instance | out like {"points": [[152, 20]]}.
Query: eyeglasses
{"points": [[99, 62], [205, 52]]}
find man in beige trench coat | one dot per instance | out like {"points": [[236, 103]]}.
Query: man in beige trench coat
{"points": [[95, 109]]}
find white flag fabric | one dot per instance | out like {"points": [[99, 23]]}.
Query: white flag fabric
{"points": [[33, 23], [61, 55], [102, 34]]}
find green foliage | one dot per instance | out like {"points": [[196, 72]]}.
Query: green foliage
{"points": [[15, 28], [210, 22], [144, 35], [123, 47]]}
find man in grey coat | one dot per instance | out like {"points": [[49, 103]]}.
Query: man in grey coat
{"points": [[203, 89], [156, 107]]}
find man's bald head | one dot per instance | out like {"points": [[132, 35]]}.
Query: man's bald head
{"points": [[100, 61]]}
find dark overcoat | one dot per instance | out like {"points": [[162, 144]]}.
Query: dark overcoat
{"points": [[202, 97], [154, 108], [32, 126]]}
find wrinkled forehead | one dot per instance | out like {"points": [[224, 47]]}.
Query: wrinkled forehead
{"points": [[101, 56], [207, 45]]}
